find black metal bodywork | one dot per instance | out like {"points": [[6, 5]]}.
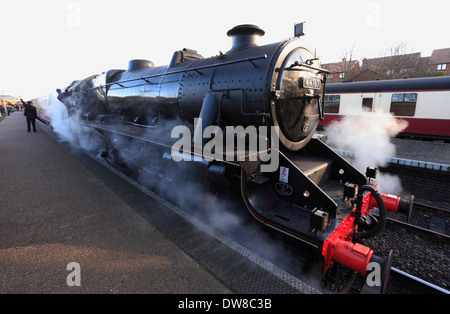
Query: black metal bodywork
{"points": [[255, 85], [276, 85]]}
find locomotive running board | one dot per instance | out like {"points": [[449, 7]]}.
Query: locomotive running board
{"points": [[296, 198]]}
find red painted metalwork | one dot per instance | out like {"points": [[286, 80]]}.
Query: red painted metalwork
{"points": [[339, 247], [390, 201], [353, 255]]}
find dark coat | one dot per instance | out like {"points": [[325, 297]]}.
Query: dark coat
{"points": [[30, 111]]}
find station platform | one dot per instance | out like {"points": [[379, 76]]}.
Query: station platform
{"points": [[54, 211], [60, 205], [433, 155], [425, 154]]}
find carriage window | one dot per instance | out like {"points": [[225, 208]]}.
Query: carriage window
{"points": [[332, 103], [367, 104], [403, 104]]}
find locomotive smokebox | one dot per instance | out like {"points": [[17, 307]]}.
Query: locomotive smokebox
{"points": [[245, 35]]}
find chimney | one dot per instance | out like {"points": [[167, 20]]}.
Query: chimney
{"points": [[244, 35], [138, 64]]}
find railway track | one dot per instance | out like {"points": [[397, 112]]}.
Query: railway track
{"points": [[419, 285], [427, 219], [420, 249]]}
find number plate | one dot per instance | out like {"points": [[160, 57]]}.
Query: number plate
{"points": [[309, 82]]}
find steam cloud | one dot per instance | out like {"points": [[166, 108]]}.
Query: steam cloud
{"points": [[147, 162], [69, 127], [229, 217], [369, 138]]}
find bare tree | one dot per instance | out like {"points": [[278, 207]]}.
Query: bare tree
{"points": [[349, 62], [396, 63], [347, 68]]}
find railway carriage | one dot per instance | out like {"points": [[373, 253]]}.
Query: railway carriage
{"points": [[423, 102]]}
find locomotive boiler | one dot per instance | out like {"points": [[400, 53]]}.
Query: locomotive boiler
{"points": [[271, 98]]}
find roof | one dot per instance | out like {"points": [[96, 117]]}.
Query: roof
{"points": [[415, 84], [424, 61], [407, 60], [7, 97], [338, 67], [439, 56]]}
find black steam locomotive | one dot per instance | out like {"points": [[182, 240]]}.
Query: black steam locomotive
{"points": [[251, 113]]}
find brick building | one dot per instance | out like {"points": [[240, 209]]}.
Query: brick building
{"points": [[392, 67], [439, 62], [385, 68], [342, 71]]}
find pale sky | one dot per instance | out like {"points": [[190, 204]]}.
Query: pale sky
{"points": [[47, 44]]}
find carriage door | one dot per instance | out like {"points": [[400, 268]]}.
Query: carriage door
{"points": [[367, 103]]}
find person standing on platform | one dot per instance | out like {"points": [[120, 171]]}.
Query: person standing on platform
{"points": [[31, 114]]}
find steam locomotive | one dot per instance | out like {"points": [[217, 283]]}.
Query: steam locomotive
{"points": [[271, 97]]}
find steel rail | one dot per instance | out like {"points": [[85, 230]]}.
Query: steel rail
{"points": [[420, 282]]}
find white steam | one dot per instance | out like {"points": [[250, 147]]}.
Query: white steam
{"points": [[185, 192], [70, 127], [368, 137]]}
